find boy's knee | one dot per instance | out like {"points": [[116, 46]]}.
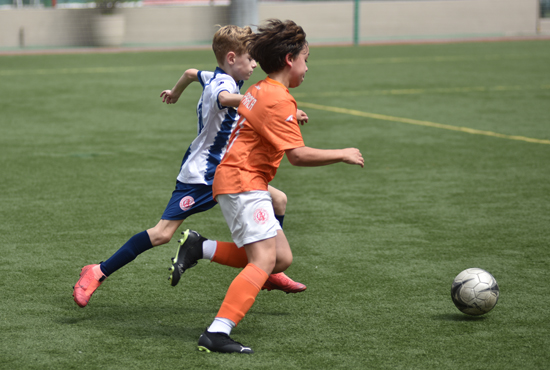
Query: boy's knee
{"points": [[159, 237], [279, 202], [283, 262], [287, 261]]}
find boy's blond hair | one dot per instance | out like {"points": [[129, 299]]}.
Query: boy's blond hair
{"points": [[230, 38]]}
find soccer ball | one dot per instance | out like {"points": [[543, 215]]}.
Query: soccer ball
{"points": [[475, 291]]}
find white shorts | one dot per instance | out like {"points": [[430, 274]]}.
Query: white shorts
{"points": [[249, 215]]}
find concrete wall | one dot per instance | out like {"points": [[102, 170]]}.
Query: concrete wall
{"points": [[172, 26], [45, 27], [328, 21], [406, 20], [324, 22], [451, 19], [143, 26]]}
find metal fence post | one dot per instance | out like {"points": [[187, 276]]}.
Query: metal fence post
{"points": [[356, 22]]}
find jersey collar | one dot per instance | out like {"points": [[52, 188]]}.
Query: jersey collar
{"points": [[272, 81], [219, 70]]}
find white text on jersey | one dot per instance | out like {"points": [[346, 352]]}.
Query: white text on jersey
{"points": [[248, 101]]}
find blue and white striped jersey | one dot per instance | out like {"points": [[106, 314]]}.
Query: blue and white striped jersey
{"points": [[215, 123]]}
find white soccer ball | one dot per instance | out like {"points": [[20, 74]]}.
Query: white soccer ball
{"points": [[475, 291]]}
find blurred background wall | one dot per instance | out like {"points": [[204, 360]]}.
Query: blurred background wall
{"points": [[181, 23]]}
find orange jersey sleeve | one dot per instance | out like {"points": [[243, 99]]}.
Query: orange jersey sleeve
{"points": [[267, 127]]}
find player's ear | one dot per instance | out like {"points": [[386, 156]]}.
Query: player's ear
{"points": [[230, 57], [289, 60]]}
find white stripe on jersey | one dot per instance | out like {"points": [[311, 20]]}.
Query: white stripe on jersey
{"points": [[214, 126]]}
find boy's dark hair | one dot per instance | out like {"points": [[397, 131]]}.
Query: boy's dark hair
{"points": [[274, 41]]}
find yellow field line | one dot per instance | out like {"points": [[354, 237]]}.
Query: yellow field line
{"points": [[437, 90], [410, 121]]}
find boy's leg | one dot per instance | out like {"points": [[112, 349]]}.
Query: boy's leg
{"points": [[279, 200], [160, 234], [92, 276], [186, 200], [252, 223], [192, 247], [280, 281], [239, 298], [229, 255], [264, 256]]}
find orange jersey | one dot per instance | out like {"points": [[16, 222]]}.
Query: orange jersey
{"points": [[267, 127]]}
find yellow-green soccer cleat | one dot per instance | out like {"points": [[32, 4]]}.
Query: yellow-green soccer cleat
{"points": [[221, 342], [188, 254]]}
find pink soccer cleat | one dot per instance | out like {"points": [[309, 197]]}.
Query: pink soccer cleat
{"points": [[282, 282], [86, 285]]}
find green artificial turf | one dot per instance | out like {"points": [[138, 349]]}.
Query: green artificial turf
{"points": [[89, 157]]}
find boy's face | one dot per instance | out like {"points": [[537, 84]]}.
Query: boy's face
{"points": [[299, 68], [243, 67]]}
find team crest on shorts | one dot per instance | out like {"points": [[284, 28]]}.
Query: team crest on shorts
{"points": [[186, 203], [261, 216]]}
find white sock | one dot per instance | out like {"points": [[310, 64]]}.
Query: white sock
{"points": [[221, 325], [209, 249]]}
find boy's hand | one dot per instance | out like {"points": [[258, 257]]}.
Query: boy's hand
{"points": [[301, 116], [353, 156], [168, 97]]}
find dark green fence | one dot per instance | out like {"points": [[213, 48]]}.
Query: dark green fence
{"points": [[545, 8]]}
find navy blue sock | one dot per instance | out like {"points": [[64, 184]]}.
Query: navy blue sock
{"points": [[280, 218], [137, 244]]}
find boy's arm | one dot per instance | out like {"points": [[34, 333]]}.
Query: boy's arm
{"points": [[229, 100], [232, 100], [172, 96], [309, 157]]}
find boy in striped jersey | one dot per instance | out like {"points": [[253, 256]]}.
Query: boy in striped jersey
{"points": [[216, 117]]}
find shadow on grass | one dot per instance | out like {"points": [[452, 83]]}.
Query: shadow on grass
{"points": [[146, 320], [129, 327], [458, 317], [269, 313]]}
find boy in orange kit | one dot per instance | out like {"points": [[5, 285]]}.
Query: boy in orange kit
{"points": [[266, 130]]}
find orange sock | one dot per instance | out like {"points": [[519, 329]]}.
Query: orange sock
{"points": [[242, 293], [229, 255]]}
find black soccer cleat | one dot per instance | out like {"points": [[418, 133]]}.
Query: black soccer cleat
{"points": [[221, 342], [188, 254]]}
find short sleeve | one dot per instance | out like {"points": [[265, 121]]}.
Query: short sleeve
{"points": [[282, 129], [205, 77], [225, 83]]}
